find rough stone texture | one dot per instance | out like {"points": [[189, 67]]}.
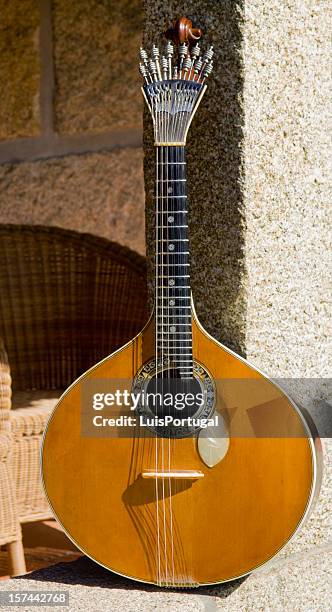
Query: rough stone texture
{"points": [[214, 169], [287, 196], [19, 68], [299, 585], [302, 584], [258, 187], [101, 193], [287, 211], [96, 46]]}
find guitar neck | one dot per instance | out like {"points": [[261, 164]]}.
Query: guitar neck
{"points": [[173, 89], [172, 266]]}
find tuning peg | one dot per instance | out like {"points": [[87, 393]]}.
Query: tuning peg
{"points": [[169, 49], [207, 70], [183, 51], [143, 55], [186, 66], [155, 57], [169, 55], [195, 52], [198, 65], [164, 66], [207, 57], [144, 72], [153, 70]]}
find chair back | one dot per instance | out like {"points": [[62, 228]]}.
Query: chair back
{"points": [[66, 301]]}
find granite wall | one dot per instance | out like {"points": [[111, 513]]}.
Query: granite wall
{"points": [[258, 179], [71, 77], [19, 68]]}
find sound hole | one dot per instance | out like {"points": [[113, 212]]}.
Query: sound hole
{"points": [[174, 396], [171, 406]]}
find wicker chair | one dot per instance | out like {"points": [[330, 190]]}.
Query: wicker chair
{"points": [[66, 301]]}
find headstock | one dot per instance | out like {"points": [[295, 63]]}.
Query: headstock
{"points": [[175, 82]]}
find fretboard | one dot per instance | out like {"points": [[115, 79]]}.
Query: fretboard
{"points": [[172, 271]]}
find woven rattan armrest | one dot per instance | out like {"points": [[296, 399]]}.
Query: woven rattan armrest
{"points": [[5, 389]]}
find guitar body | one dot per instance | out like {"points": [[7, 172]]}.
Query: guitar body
{"points": [[184, 532]]}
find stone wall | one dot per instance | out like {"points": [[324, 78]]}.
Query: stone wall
{"points": [[258, 179], [19, 68], [71, 117], [286, 189]]}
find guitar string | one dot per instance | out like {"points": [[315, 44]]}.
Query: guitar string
{"points": [[160, 317], [176, 136], [172, 271], [158, 282], [156, 358], [176, 269], [177, 127], [162, 350], [168, 350], [169, 156]]}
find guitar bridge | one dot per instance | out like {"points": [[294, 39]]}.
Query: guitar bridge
{"points": [[174, 474]]}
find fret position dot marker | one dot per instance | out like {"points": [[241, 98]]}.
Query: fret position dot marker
{"points": [[170, 219], [172, 302], [172, 329], [171, 282], [171, 247], [170, 189]]}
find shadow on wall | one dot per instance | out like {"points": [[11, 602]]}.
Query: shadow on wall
{"points": [[214, 168]]}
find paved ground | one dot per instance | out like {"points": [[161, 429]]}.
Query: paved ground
{"points": [[298, 583]]}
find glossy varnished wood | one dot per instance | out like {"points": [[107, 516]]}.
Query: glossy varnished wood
{"points": [[225, 524]]}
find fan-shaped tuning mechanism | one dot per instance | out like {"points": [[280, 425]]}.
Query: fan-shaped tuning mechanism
{"points": [[183, 32], [175, 81]]}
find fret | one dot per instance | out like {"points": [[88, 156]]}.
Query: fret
{"points": [[161, 307], [170, 197], [185, 360], [176, 333], [170, 308], [182, 355], [177, 297], [168, 331], [175, 316], [177, 287], [172, 212], [171, 237], [186, 265], [171, 348], [164, 329], [172, 340]]}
